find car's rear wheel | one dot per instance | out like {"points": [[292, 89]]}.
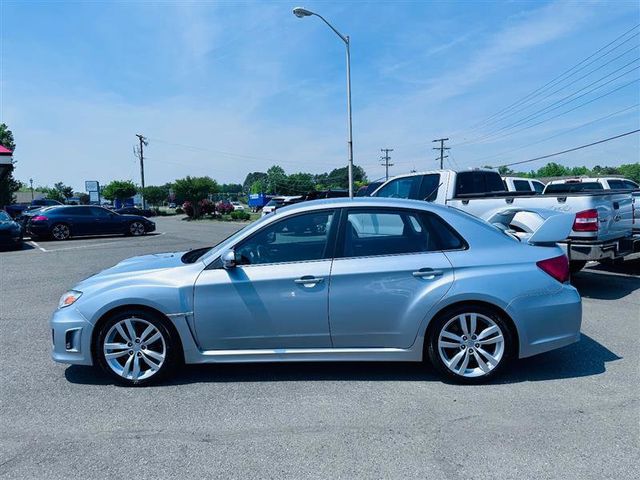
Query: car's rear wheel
{"points": [[136, 229], [60, 231], [135, 348], [470, 344]]}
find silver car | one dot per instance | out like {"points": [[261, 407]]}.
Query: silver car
{"points": [[330, 280]]}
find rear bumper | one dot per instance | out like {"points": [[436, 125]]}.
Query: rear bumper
{"points": [[71, 337], [604, 250], [546, 322], [38, 230]]}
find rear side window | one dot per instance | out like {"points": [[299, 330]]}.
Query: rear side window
{"points": [[470, 183], [630, 184], [521, 186], [621, 185], [573, 187], [375, 232], [74, 211]]}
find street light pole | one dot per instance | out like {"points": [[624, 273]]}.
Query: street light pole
{"points": [[302, 12]]}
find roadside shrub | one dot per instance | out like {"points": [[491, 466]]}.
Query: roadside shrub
{"points": [[188, 209], [206, 207], [240, 215], [224, 208]]}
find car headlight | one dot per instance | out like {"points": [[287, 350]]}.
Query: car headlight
{"points": [[69, 298]]}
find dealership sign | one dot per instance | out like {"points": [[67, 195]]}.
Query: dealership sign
{"points": [[91, 186]]}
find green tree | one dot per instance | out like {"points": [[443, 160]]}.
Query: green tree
{"points": [[553, 170], [630, 171], [259, 186], [504, 170], [251, 178], [194, 189], [299, 183], [276, 179], [339, 177], [156, 195], [84, 198], [119, 190], [8, 185]]}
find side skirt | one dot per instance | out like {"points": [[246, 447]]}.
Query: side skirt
{"points": [[309, 355]]}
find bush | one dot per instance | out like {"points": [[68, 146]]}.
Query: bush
{"points": [[206, 207], [187, 207], [240, 215], [224, 208]]}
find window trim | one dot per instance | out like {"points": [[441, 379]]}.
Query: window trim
{"points": [[329, 248], [339, 247]]}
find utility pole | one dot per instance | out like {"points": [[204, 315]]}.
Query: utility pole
{"points": [[31, 186], [140, 153], [386, 159], [442, 148]]}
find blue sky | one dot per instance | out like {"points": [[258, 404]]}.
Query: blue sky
{"points": [[225, 88]]}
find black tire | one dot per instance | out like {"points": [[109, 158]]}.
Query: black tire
{"points": [[60, 231], [576, 265], [171, 349], [136, 229], [444, 319]]}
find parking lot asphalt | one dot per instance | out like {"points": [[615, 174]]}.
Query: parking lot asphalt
{"points": [[571, 414]]}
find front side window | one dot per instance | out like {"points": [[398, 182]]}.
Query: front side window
{"points": [[100, 212], [521, 186], [391, 232], [538, 186], [298, 238], [406, 187]]}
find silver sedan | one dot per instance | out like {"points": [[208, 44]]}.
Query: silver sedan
{"points": [[330, 280]]}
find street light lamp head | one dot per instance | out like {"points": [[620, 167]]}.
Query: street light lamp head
{"points": [[302, 12]]}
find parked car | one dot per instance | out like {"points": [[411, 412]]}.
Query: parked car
{"points": [[367, 190], [318, 195], [25, 216], [603, 228], [10, 232], [518, 184], [237, 206], [172, 205], [18, 209], [61, 223], [136, 211], [408, 281], [281, 201]]}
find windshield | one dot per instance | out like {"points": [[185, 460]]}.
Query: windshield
{"points": [[274, 203]]}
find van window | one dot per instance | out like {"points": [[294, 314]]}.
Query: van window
{"points": [[521, 186], [478, 182]]}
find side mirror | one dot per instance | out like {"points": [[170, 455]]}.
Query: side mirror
{"points": [[228, 259]]}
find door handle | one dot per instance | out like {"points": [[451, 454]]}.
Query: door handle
{"points": [[428, 273], [308, 280]]}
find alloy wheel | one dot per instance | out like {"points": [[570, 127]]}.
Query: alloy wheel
{"points": [[60, 232], [136, 229], [471, 345], [134, 349]]}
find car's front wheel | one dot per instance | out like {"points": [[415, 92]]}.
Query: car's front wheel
{"points": [[60, 231], [136, 229], [135, 348], [470, 344]]}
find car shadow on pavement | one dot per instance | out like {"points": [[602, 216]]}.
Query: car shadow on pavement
{"points": [[604, 285], [94, 237], [585, 358]]}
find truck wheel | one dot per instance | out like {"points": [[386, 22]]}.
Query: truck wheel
{"points": [[576, 265]]}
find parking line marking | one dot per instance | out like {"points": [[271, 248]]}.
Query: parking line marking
{"points": [[34, 244], [114, 242]]}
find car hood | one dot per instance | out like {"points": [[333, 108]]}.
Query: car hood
{"points": [[134, 267], [7, 224]]}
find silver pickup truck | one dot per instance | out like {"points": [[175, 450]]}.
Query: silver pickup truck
{"points": [[602, 229]]}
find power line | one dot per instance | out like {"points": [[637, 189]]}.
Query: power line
{"points": [[488, 157], [506, 134], [557, 79], [557, 104], [442, 148], [386, 159], [570, 149]]}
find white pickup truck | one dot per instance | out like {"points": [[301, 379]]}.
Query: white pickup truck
{"points": [[602, 229], [601, 183]]}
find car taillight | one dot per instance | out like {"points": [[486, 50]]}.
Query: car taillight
{"points": [[586, 221], [39, 218], [557, 267]]}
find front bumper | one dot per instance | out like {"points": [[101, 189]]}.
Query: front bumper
{"points": [[546, 322], [10, 240], [150, 227], [71, 337]]}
